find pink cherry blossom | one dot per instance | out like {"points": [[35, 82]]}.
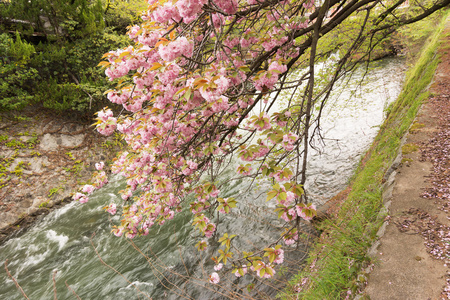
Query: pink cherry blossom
{"points": [[290, 238], [78, 196], [210, 229], [112, 209], [99, 166], [88, 189], [265, 267], [118, 232], [185, 112], [214, 278], [280, 256], [181, 46], [83, 199], [301, 211], [218, 267]]}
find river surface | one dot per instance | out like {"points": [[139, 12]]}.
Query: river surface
{"points": [[70, 241]]}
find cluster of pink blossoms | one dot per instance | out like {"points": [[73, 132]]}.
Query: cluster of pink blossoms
{"points": [[243, 271], [267, 80], [261, 269], [289, 141], [99, 180], [107, 122], [204, 224], [279, 256], [269, 271], [112, 208], [290, 239], [292, 211], [187, 88], [214, 278]]}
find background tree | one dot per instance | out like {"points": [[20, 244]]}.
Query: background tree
{"points": [[119, 14], [69, 19], [68, 39]]}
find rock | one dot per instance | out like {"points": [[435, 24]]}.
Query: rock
{"points": [[48, 143], [51, 142], [37, 201]]}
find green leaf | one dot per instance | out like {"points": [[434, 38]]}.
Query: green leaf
{"points": [[223, 238], [298, 190], [244, 68], [280, 214], [201, 246], [282, 196], [287, 185], [272, 257], [156, 65], [181, 90], [257, 265], [187, 95], [271, 194], [247, 254]]}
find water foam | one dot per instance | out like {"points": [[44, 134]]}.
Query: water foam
{"points": [[60, 239]]}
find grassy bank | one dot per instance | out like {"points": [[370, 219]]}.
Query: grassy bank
{"points": [[336, 263]]}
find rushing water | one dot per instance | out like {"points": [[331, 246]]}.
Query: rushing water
{"points": [[350, 122], [64, 240]]}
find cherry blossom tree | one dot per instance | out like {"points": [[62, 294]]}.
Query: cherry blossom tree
{"points": [[201, 87]]}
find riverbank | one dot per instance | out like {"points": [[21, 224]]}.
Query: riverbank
{"points": [[340, 263], [43, 159], [412, 257]]}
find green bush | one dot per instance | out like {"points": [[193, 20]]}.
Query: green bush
{"points": [[76, 82], [16, 85], [17, 78], [5, 42], [61, 73], [57, 76], [20, 50]]}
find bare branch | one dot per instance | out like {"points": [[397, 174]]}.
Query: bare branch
{"points": [[112, 268], [54, 284], [15, 281], [73, 292]]}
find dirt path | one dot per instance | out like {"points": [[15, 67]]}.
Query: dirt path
{"points": [[413, 258]]}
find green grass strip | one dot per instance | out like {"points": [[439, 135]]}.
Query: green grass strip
{"points": [[340, 254]]}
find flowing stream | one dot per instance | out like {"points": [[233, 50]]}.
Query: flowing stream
{"points": [[64, 240]]}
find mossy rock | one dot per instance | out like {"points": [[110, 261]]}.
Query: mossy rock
{"points": [[415, 127], [409, 148]]}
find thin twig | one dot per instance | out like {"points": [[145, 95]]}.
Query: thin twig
{"points": [[54, 284], [112, 268], [73, 292], [15, 281]]}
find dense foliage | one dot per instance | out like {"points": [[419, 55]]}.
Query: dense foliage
{"points": [[49, 51]]}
